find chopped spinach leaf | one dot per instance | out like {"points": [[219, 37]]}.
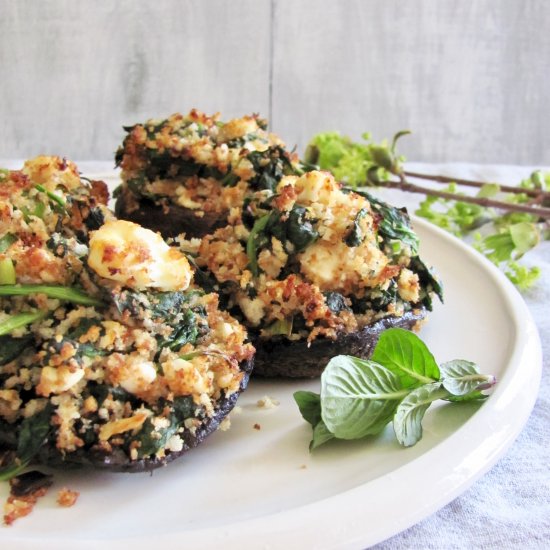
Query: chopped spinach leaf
{"points": [[95, 219], [169, 304], [394, 223], [11, 348], [185, 332], [336, 302], [299, 229], [377, 299], [6, 241], [101, 391], [355, 236], [32, 435], [230, 179], [184, 407], [270, 167], [152, 439], [428, 282]]}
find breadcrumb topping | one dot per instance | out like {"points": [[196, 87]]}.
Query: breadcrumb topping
{"points": [[129, 356]]}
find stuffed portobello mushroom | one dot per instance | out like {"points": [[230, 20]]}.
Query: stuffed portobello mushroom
{"points": [[110, 355], [316, 270], [185, 173]]}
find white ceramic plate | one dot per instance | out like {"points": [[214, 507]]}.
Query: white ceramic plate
{"points": [[260, 488]]}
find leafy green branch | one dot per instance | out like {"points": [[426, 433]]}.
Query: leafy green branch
{"points": [[514, 219]]}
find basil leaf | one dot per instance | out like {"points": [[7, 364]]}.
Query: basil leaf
{"points": [[321, 434], [404, 353], [407, 422], [476, 395], [309, 404], [358, 397], [462, 377]]}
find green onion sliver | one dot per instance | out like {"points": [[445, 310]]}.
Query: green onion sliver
{"points": [[56, 198], [7, 272], [60, 292], [259, 226], [21, 320]]}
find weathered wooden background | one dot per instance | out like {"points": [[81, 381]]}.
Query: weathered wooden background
{"points": [[471, 78]]}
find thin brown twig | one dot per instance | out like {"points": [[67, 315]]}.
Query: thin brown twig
{"points": [[537, 193], [405, 185]]}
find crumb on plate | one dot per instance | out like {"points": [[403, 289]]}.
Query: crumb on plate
{"points": [[267, 402], [20, 506], [225, 424], [66, 497]]}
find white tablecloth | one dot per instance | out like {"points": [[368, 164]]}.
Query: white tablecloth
{"points": [[509, 507]]}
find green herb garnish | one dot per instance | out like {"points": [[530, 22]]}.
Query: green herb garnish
{"points": [[359, 397]]}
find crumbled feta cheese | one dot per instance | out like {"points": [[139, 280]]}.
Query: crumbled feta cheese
{"points": [[267, 402], [137, 257]]}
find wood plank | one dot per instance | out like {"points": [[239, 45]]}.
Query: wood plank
{"points": [[469, 78], [72, 73]]}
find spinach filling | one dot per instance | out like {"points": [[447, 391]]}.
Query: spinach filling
{"points": [[153, 439], [295, 230], [428, 282], [270, 167], [355, 235], [32, 434], [178, 310], [11, 348], [377, 299], [394, 224]]}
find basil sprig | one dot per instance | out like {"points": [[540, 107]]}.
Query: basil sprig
{"points": [[359, 397]]}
